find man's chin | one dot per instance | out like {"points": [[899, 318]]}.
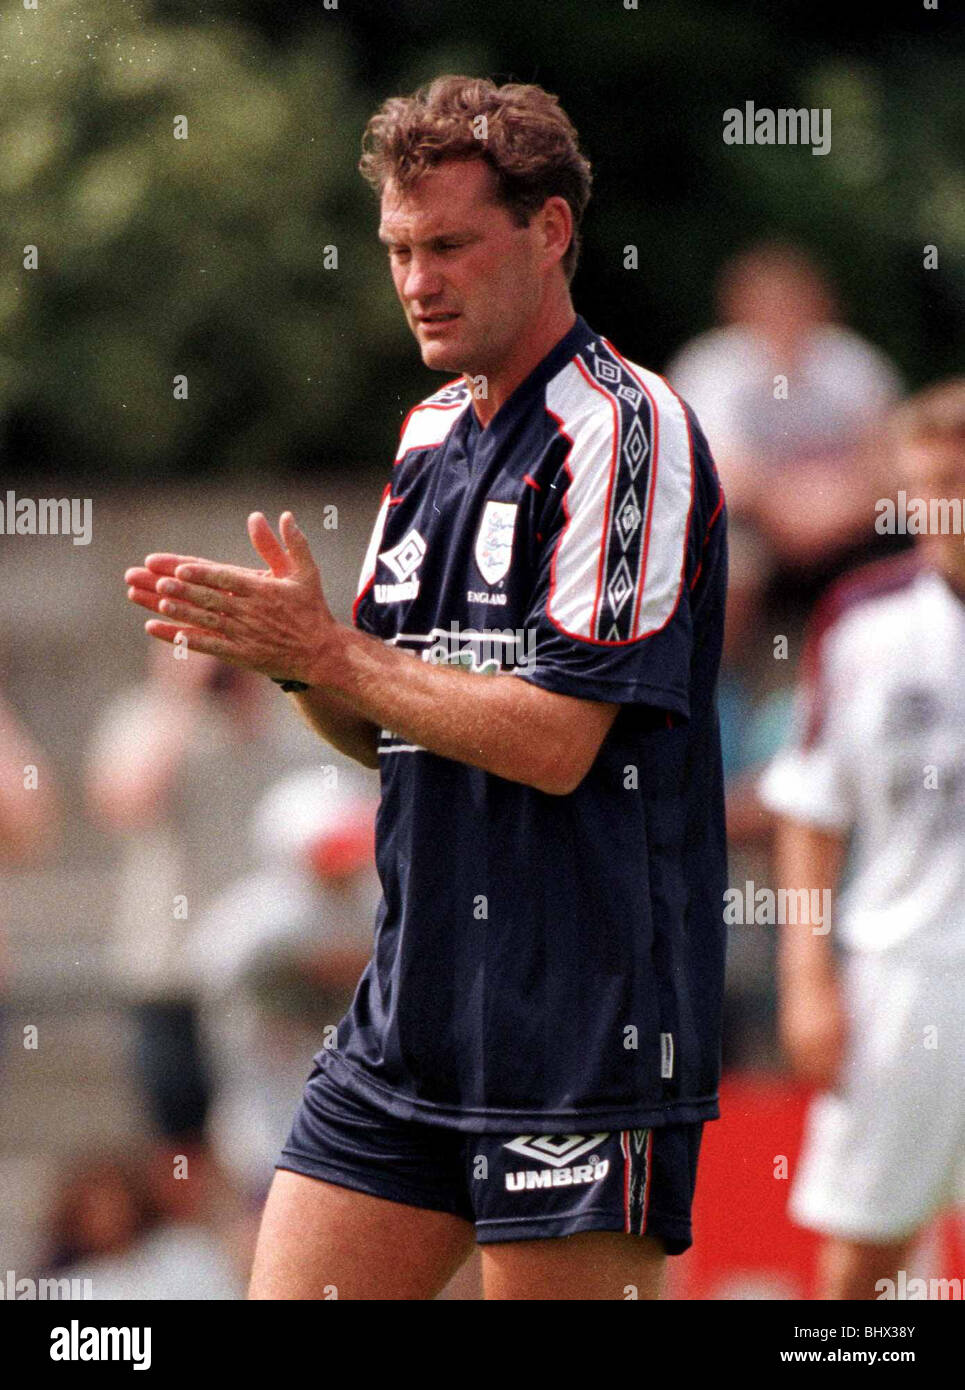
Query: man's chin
{"points": [[442, 357]]}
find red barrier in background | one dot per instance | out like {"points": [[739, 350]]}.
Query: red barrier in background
{"points": [[744, 1244]]}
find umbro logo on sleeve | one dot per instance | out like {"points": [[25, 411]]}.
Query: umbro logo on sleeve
{"points": [[403, 560]]}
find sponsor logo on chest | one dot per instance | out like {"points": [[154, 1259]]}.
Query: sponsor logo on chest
{"points": [[403, 560]]}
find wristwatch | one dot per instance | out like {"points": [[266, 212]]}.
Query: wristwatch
{"points": [[290, 686]]}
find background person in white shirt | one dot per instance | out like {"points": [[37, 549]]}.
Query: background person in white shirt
{"points": [[879, 767], [792, 402]]}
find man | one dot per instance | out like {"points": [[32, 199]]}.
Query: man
{"points": [[792, 402], [535, 1044], [880, 761]]}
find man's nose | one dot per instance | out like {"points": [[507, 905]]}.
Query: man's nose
{"points": [[421, 281]]}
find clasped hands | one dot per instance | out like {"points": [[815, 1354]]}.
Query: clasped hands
{"points": [[273, 621]]}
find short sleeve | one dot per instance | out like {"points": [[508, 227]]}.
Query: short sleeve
{"points": [[872, 381], [610, 616]]}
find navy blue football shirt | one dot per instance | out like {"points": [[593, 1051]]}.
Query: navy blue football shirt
{"points": [[549, 962]]}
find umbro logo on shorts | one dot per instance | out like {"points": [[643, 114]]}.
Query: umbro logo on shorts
{"points": [[556, 1149], [559, 1152]]}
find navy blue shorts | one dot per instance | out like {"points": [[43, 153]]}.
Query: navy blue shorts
{"points": [[511, 1186]]}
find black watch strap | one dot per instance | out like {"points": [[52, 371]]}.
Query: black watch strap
{"points": [[290, 686]]}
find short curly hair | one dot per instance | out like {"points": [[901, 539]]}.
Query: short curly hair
{"points": [[526, 139]]}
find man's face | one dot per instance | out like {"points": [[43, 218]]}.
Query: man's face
{"points": [[780, 303], [469, 279]]}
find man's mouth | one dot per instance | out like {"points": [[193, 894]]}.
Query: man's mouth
{"points": [[431, 320]]}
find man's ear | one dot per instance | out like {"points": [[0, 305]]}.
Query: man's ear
{"points": [[557, 225]]}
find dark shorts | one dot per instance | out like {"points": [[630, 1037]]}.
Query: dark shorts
{"points": [[511, 1186]]}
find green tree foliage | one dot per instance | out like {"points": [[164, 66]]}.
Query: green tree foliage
{"points": [[211, 257]]}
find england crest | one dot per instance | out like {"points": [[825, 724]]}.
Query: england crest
{"points": [[494, 540]]}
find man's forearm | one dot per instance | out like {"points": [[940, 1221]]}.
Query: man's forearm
{"points": [[496, 723], [339, 725], [807, 858]]}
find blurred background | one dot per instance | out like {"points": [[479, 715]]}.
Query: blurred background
{"points": [[142, 1033]]}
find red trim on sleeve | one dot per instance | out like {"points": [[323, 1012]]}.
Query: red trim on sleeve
{"points": [[368, 582]]}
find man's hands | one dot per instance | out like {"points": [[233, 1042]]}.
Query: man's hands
{"points": [[272, 621], [276, 622]]}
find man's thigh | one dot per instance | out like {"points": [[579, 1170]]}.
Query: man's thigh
{"points": [[590, 1266], [367, 1205], [321, 1241], [626, 1182]]}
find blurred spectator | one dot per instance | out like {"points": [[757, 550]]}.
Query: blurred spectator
{"points": [[755, 702], [29, 811], [754, 690], [173, 767], [28, 803], [137, 1232], [792, 404], [277, 957]]}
